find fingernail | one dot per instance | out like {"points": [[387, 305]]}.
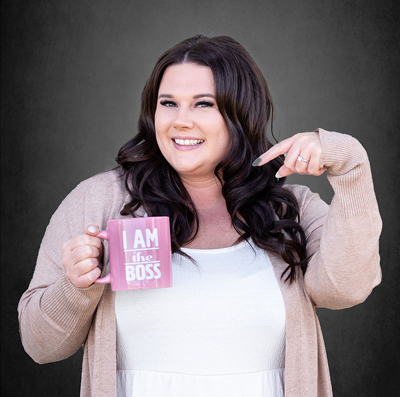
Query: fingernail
{"points": [[277, 176], [256, 162], [92, 229]]}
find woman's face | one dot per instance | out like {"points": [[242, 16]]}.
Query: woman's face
{"points": [[190, 130]]}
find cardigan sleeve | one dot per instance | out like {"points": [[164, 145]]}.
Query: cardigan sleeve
{"points": [[342, 238], [54, 315]]}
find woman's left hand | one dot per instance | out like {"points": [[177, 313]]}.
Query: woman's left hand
{"points": [[303, 155]]}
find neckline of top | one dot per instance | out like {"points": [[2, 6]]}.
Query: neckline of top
{"points": [[216, 250]]}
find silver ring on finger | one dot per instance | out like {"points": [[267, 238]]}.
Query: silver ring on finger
{"points": [[301, 159]]}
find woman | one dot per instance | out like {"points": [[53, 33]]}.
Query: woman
{"points": [[252, 257]]}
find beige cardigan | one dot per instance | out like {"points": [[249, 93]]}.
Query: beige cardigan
{"points": [[56, 318]]}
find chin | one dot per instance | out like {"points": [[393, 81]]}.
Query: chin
{"points": [[185, 168]]}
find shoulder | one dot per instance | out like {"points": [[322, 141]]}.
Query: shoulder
{"points": [[111, 181], [95, 199], [103, 187]]}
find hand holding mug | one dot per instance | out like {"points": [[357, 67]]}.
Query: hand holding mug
{"points": [[81, 256], [303, 155], [139, 253]]}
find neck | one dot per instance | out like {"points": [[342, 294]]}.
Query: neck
{"points": [[204, 193], [215, 224]]}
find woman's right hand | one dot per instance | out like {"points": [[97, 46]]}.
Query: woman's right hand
{"points": [[81, 256]]}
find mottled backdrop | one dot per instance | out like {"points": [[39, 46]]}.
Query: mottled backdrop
{"points": [[72, 74]]}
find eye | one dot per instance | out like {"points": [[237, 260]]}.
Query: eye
{"points": [[204, 104], [167, 103]]}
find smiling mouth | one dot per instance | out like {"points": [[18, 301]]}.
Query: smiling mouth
{"points": [[188, 142]]}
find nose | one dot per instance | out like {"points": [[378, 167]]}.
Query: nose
{"points": [[183, 119]]}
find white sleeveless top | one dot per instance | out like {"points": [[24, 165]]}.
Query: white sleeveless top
{"points": [[218, 332]]}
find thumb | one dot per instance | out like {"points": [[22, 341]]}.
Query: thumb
{"points": [[92, 229], [283, 171]]}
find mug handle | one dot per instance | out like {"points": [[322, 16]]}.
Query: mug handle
{"points": [[107, 279]]}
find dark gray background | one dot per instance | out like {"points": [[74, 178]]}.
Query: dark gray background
{"points": [[72, 74]]}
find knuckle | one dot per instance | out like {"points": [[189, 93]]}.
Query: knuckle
{"points": [[93, 241], [88, 251], [96, 252], [287, 163], [93, 262], [89, 278], [85, 252], [85, 239], [78, 283]]}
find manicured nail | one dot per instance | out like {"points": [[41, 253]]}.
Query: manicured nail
{"points": [[92, 229], [277, 176], [256, 162]]}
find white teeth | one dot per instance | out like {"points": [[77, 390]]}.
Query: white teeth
{"points": [[188, 142]]}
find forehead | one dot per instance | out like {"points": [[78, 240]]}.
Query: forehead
{"points": [[187, 78]]}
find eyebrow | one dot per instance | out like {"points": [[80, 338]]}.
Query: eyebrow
{"points": [[194, 97]]}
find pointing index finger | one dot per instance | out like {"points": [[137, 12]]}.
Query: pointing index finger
{"points": [[276, 150]]}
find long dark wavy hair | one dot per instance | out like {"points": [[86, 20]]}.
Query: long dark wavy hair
{"points": [[261, 208]]}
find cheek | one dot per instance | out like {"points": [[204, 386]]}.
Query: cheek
{"points": [[225, 134], [157, 122], [161, 123], [227, 142], [158, 125], [161, 143]]}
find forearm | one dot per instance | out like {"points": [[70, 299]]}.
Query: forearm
{"points": [[344, 268], [55, 319]]}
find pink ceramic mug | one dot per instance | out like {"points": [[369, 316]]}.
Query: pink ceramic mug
{"points": [[140, 253]]}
